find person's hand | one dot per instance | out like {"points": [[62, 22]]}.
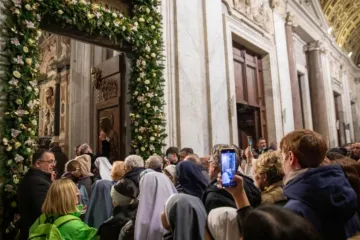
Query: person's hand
{"points": [[102, 136], [239, 188], [248, 154], [53, 176]]}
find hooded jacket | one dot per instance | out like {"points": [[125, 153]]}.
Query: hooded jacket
{"points": [[324, 197]]}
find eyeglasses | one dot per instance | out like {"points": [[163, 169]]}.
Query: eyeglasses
{"points": [[49, 161]]}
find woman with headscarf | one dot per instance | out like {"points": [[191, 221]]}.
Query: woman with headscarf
{"points": [[190, 179], [100, 204], [184, 217], [222, 224], [170, 171], [155, 189], [86, 181]]}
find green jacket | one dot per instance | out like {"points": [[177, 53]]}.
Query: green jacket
{"points": [[72, 230]]}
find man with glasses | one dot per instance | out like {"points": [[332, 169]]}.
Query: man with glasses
{"points": [[33, 189]]}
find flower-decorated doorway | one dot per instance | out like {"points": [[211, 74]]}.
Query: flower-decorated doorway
{"points": [[139, 33]]}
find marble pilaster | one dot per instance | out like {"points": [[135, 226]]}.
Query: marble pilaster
{"points": [[80, 100], [295, 86], [284, 74], [316, 69], [216, 72]]}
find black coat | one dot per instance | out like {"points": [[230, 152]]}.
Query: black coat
{"points": [[111, 228], [31, 195], [61, 159], [214, 197]]}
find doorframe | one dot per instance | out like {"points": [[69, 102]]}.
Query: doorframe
{"points": [[236, 30]]}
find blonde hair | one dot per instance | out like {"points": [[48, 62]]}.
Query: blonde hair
{"points": [[118, 170], [269, 163], [61, 198]]}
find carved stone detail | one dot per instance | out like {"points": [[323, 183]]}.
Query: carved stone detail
{"points": [[96, 77], [258, 11], [313, 46], [291, 19]]}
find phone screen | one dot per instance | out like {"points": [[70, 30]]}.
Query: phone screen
{"points": [[228, 167], [250, 142]]}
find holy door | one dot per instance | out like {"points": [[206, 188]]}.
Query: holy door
{"points": [[108, 80], [250, 99]]}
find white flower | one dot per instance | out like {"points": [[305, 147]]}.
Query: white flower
{"points": [[107, 24], [19, 60], [152, 148], [147, 48], [38, 17], [29, 24], [147, 82], [141, 20], [152, 139], [17, 74], [136, 93], [28, 7], [153, 55], [5, 141], [140, 138], [140, 98], [60, 12], [29, 142], [33, 83], [143, 63], [14, 82], [15, 133], [28, 61], [142, 149], [74, 2], [18, 158], [147, 10], [9, 148], [29, 89], [134, 28], [148, 105], [17, 145], [90, 16], [142, 74], [152, 27], [114, 15], [16, 11], [138, 79], [123, 28], [15, 41], [83, 2], [34, 122], [136, 24], [98, 14], [17, 3], [155, 42], [25, 49], [116, 23]]}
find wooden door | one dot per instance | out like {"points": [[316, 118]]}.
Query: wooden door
{"points": [[250, 99], [340, 124], [109, 84]]}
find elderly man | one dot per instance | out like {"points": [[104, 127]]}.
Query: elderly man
{"points": [[155, 163], [33, 189], [355, 151], [134, 165]]}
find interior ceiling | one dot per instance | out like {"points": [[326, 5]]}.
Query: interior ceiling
{"points": [[344, 18]]}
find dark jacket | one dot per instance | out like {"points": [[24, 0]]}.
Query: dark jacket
{"points": [[61, 160], [324, 197], [215, 197], [134, 175], [110, 229], [31, 195]]}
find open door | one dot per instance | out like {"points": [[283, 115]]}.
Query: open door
{"points": [[109, 83]]}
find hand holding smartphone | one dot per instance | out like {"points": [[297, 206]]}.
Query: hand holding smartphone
{"points": [[250, 142], [228, 167]]}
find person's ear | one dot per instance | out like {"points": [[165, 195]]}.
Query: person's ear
{"points": [[292, 159]]}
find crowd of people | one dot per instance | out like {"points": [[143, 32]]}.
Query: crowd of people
{"points": [[301, 191]]}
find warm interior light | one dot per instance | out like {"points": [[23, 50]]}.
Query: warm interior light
{"points": [[350, 54], [330, 30]]}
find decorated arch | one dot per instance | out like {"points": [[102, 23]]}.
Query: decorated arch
{"points": [[139, 32]]}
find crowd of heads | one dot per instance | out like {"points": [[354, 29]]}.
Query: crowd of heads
{"points": [[180, 195]]}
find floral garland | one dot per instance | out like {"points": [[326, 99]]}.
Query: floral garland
{"points": [[20, 63]]}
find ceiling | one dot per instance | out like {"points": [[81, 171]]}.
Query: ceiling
{"points": [[344, 18]]}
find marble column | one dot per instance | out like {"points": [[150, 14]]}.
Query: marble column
{"points": [[317, 88], [356, 112], [295, 86], [284, 73]]}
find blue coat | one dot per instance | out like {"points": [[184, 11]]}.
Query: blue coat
{"points": [[325, 197]]}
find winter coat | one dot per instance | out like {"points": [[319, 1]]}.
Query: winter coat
{"points": [[273, 194], [31, 195], [61, 159], [134, 175], [324, 197], [214, 197], [72, 230], [111, 228]]}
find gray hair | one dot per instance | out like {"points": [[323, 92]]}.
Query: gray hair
{"points": [[154, 162], [134, 161], [84, 148]]}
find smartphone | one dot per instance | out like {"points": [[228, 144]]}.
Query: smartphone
{"points": [[228, 167], [250, 142]]}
